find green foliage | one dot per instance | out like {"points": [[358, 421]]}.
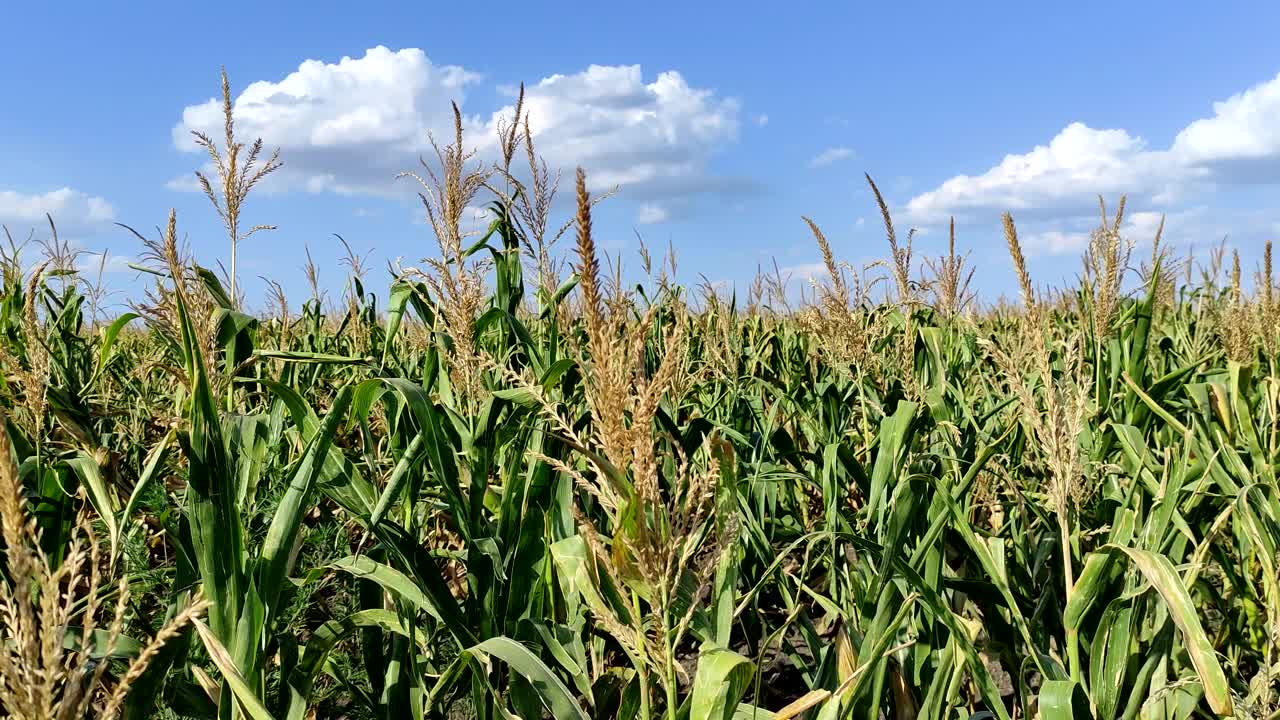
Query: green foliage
{"points": [[420, 513]]}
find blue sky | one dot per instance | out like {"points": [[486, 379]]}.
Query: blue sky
{"points": [[722, 123]]}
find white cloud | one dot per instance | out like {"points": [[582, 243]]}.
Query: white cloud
{"points": [[803, 272], [829, 156], [72, 211], [1055, 242], [347, 126], [762, 120], [185, 183], [90, 263], [1068, 172], [350, 126], [1240, 143], [650, 214], [654, 137], [860, 222], [1139, 228], [475, 220]]}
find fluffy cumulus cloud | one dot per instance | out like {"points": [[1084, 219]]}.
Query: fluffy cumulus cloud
{"points": [[347, 126], [655, 136], [1142, 226], [1067, 173], [72, 211], [830, 156], [350, 126], [1240, 143]]}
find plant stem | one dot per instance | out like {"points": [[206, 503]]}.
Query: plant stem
{"points": [[235, 302], [1073, 639], [670, 680], [646, 711]]}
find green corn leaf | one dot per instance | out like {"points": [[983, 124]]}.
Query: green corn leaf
{"points": [[722, 679], [283, 530], [1063, 700], [100, 496], [322, 642], [399, 475], [558, 296], [388, 578], [553, 693], [150, 471], [426, 574], [525, 397], [1109, 657], [109, 336], [339, 478], [568, 649], [1158, 571], [310, 357], [245, 697], [397, 300]]}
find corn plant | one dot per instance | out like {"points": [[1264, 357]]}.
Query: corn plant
{"points": [[519, 484]]}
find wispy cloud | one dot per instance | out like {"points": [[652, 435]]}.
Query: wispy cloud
{"points": [[651, 214], [1139, 227], [91, 263], [1056, 242], [830, 156], [803, 272]]}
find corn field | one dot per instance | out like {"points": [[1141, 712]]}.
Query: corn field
{"points": [[508, 483]]}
